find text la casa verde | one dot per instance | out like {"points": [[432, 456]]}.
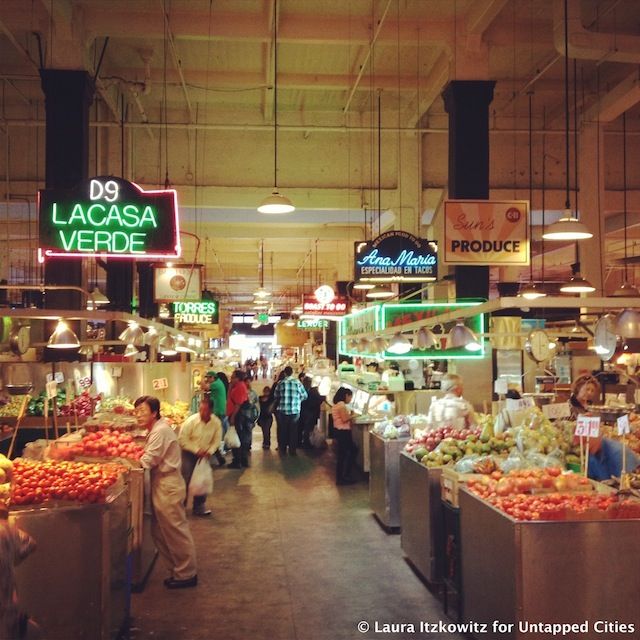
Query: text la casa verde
{"points": [[109, 227]]}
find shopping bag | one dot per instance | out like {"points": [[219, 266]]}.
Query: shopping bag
{"points": [[317, 438], [201, 479], [231, 440]]}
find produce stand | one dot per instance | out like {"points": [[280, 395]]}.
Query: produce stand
{"points": [[547, 571], [384, 479], [421, 517], [75, 584]]}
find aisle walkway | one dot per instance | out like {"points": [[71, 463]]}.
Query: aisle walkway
{"points": [[288, 556]]}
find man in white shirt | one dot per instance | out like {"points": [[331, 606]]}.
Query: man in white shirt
{"points": [[452, 410], [169, 526], [200, 437]]}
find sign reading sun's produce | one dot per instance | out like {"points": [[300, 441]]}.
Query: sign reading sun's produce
{"points": [[486, 232], [396, 256], [110, 217]]}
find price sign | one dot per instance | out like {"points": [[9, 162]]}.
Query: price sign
{"points": [[85, 382], [51, 389], [519, 405], [623, 425], [588, 426], [556, 410], [116, 372], [160, 383], [501, 386], [58, 377]]}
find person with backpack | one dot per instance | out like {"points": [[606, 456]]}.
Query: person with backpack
{"points": [[288, 397], [239, 412]]}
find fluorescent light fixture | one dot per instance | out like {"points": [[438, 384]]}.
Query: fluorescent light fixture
{"points": [[399, 344], [133, 334], [276, 203], [567, 228], [532, 291], [63, 337], [577, 284], [379, 293]]}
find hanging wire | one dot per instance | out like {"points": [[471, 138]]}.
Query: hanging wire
{"points": [[165, 19], [544, 193], [419, 137], [530, 181], [379, 162], [624, 193], [275, 94], [399, 103], [567, 203], [575, 145]]}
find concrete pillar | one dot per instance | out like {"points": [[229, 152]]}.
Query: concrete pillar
{"points": [[467, 103]]}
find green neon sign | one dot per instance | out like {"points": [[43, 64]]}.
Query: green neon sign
{"points": [[263, 318], [109, 217], [310, 325], [202, 312]]}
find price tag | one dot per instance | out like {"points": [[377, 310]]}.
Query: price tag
{"points": [[556, 410], [623, 425], [587, 426], [519, 405], [501, 386], [59, 377], [52, 389], [116, 372], [85, 382], [160, 383]]}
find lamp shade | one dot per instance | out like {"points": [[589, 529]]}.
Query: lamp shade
{"points": [[276, 203], [399, 344], [364, 345], [151, 337], [379, 293], [628, 324], [532, 291], [626, 290], [261, 292], [130, 351], [352, 345], [99, 298], [63, 337], [425, 339], [380, 344], [167, 346], [182, 346], [133, 334], [577, 284], [363, 286], [567, 228], [461, 336]]}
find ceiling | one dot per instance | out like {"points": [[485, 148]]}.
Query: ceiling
{"points": [[186, 92]]}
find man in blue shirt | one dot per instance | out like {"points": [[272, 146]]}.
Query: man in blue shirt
{"points": [[605, 459], [288, 398]]}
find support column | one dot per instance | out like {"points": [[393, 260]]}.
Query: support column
{"points": [[68, 96], [467, 103], [147, 307]]}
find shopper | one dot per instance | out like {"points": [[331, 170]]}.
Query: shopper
{"points": [[15, 546], [347, 449], [265, 418], [237, 398], [200, 437], [218, 394], [606, 459], [452, 409], [585, 390], [252, 410], [169, 526], [288, 398], [309, 413]]}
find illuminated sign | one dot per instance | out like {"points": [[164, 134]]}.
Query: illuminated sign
{"points": [[177, 284], [203, 312], [109, 217], [311, 306], [325, 294], [486, 232], [311, 325], [396, 256]]}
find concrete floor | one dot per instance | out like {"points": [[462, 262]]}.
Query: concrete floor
{"points": [[288, 555]]}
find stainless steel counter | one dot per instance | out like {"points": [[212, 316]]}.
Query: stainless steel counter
{"points": [[360, 434], [384, 479], [421, 518], [551, 572]]}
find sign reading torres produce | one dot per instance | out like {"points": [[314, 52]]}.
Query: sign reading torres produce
{"points": [[396, 256], [486, 232], [108, 217]]}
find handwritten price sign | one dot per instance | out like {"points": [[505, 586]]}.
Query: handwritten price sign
{"points": [[160, 383], [588, 426], [623, 425]]}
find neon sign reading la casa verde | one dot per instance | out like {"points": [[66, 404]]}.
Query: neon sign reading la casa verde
{"points": [[109, 217]]}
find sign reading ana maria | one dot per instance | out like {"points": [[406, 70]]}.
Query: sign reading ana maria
{"points": [[396, 256], [110, 217], [486, 232]]}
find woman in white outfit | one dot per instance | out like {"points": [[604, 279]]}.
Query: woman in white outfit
{"points": [[169, 527], [452, 410]]}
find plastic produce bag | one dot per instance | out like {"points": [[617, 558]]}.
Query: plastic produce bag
{"points": [[231, 439], [516, 460], [317, 438], [201, 479]]}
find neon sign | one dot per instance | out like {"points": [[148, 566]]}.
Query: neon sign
{"points": [[203, 312], [313, 307], [396, 256], [310, 325], [109, 217]]}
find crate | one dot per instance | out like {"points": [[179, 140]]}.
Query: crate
{"points": [[450, 482]]}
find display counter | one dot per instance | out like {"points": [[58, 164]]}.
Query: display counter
{"points": [[384, 479], [421, 517], [551, 572], [75, 584]]}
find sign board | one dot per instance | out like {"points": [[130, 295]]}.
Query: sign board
{"points": [[623, 425], [108, 217], [501, 386], [58, 377], [172, 284], [588, 426], [396, 256], [160, 383], [203, 312], [116, 372], [311, 306], [290, 336], [556, 410], [313, 325], [486, 232], [520, 404], [51, 389]]}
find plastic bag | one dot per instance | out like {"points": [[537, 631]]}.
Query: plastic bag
{"points": [[516, 460], [317, 438], [201, 483], [231, 439]]}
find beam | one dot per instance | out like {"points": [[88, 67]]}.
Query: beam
{"points": [[621, 98], [481, 14]]}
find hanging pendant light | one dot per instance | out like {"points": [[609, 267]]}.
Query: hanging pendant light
{"points": [[352, 345], [568, 227], [133, 334], [182, 346], [626, 290], [364, 346], [63, 337], [425, 339], [461, 336], [130, 351], [577, 284], [399, 345], [151, 337], [167, 346], [380, 293], [276, 203], [380, 344], [363, 286], [98, 298], [532, 291], [628, 324]]}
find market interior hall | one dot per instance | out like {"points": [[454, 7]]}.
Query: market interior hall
{"points": [[309, 297]]}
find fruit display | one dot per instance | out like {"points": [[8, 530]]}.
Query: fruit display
{"points": [[632, 439], [6, 474], [527, 481], [82, 406], [104, 444], [38, 482], [175, 413], [116, 404], [12, 408], [109, 420], [391, 429]]}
